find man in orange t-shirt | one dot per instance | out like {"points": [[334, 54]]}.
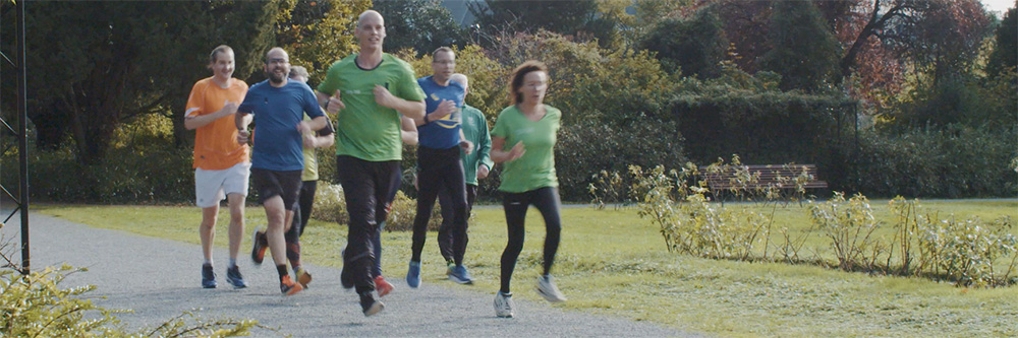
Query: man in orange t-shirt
{"points": [[221, 165]]}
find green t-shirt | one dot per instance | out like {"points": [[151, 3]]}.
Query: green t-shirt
{"points": [[364, 129], [536, 169]]}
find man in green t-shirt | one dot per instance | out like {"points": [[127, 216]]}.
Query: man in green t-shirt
{"points": [[369, 91]]}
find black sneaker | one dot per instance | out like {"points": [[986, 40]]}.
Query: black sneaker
{"points": [[370, 305], [234, 278], [259, 244], [208, 277]]}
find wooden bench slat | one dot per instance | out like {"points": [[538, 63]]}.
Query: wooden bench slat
{"points": [[767, 175]]}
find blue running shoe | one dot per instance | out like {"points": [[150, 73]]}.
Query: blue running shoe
{"points": [[208, 277], [461, 275], [234, 278], [413, 275]]}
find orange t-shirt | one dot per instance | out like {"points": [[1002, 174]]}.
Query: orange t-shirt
{"points": [[215, 144]]}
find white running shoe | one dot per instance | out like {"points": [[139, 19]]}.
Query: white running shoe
{"points": [[504, 305], [546, 287]]}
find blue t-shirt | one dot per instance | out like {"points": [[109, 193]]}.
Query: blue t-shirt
{"points": [[277, 143], [443, 133]]}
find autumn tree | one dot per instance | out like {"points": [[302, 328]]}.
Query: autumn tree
{"points": [[318, 33]]}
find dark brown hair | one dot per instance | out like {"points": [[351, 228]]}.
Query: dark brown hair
{"points": [[519, 73]]}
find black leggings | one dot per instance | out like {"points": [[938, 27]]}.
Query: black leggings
{"points": [[306, 201], [546, 200], [445, 230], [301, 216], [440, 169], [367, 188]]}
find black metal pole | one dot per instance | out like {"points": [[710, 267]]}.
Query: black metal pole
{"points": [[23, 140]]}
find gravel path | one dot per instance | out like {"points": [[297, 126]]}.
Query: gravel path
{"points": [[159, 279]]}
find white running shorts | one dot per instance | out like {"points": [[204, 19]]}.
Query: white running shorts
{"points": [[212, 186]]}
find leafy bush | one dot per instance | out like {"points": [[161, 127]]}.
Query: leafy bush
{"points": [[35, 305], [693, 225], [850, 226], [966, 252], [608, 188], [330, 206], [587, 147], [141, 166], [126, 176], [739, 113], [956, 162]]}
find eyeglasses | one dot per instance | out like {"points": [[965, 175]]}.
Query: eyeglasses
{"points": [[278, 61]]}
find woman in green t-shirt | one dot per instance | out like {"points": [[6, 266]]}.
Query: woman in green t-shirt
{"points": [[528, 175]]}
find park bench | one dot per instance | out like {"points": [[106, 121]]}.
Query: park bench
{"points": [[768, 180]]}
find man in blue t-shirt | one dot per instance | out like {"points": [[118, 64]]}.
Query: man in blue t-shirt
{"points": [[277, 158], [439, 167]]}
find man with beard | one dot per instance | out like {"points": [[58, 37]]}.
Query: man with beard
{"points": [[277, 159], [370, 91]]}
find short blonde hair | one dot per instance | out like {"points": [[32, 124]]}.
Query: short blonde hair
{"points": [[299, 71]]}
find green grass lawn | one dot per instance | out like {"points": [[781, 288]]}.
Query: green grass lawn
{"points": [[613, 262]]}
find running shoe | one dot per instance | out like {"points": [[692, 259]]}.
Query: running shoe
{"points": [[234, 278], [303, 277], [449, 267], [461, 275], [546, 287], [504, 305], [208, 277], [259, 244], [382, 286], [370, 305], [288, 287], [413, 275]]}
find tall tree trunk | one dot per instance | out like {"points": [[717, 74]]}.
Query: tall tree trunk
{"points": [[875, 23]]}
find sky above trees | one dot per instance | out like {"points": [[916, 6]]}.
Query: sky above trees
{"points": [[999, 6]]}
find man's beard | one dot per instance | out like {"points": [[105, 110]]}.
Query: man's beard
{"points": [[276, 79]]}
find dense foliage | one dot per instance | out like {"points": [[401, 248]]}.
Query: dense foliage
{"points": [[887, 97]]}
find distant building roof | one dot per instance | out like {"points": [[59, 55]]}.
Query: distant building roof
{"points": [[461, 11]]}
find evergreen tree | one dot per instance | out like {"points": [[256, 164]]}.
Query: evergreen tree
{"points": [[560, 16], [95, 64], [1005, 54], [423, 25], [804, 50], [695, 45]]}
